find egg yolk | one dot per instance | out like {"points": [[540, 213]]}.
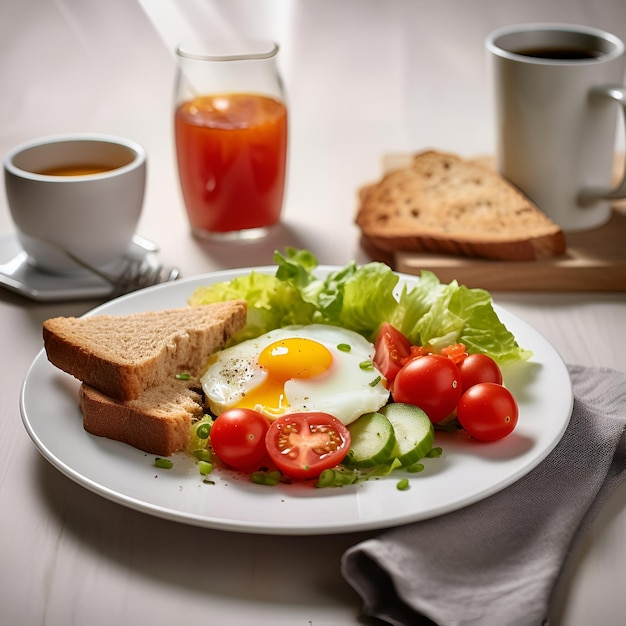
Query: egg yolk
{"points": [[284, 360]]}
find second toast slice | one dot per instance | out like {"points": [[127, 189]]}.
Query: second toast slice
{"points": [[445, 204]]}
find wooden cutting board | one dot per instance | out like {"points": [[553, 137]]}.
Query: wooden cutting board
{"points": [[595, 260]]}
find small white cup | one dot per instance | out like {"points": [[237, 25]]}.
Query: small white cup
{"points": [[556, 117], [79, 193]]}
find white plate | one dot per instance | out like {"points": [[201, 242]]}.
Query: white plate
{"points": [[466, 472], [18, 275]]}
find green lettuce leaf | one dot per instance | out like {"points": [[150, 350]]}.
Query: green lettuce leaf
{"points": [[272, 303], [414, 303], [367, 299], [361, 299], [437, 315]]}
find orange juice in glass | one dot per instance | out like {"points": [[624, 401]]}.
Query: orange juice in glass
{"points": [[231, 138]]}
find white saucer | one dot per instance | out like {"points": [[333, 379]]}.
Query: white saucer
{"points": [[18, 275]]}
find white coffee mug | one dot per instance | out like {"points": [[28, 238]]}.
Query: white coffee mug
{"points": [[555, 87], [75, 196]]}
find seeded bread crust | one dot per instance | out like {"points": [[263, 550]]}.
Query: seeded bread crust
{"points": [[122, 356], [158, 422], [442, 203]]}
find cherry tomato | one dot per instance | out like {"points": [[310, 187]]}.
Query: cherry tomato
{"points": [[431, 382], [488, 411], [302, 445], [479, 368], [238, 437], [391, 350]]}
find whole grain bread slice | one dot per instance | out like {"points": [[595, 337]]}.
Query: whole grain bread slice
{"points": [[158, 422], [443, 203], [121, 356]]}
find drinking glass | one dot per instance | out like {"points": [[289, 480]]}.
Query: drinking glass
{"points": [[231, 137]]}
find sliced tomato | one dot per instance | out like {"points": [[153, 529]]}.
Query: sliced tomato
{"points": [[302, 445], [417, 351], [457, 352], [391, 350]]}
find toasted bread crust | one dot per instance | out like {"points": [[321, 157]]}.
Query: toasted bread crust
{"points": [[442, 203], [121, 356], [158, 422]]}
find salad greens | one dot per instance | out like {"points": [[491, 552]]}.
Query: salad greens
{"points": [[361, 298]]}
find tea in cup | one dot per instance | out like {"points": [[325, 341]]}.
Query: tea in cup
{"points": [[77, 195]]}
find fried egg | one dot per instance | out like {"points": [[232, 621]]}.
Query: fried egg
{"points": [[297, 369]]}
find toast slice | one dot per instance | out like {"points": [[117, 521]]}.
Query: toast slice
{"points": [[158, 422], [443, 203], [121, 356]]}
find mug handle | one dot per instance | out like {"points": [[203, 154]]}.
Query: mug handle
{"points": [[587, 197]]}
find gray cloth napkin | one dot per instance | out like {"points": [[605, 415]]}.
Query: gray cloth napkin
{"points": [[496, 562]]}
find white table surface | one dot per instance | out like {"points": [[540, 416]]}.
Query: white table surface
{"points": [[363, 78]]}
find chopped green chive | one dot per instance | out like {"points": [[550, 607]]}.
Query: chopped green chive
{"points": [[163, 463], [183, 376], [344, 347], [202, 454], [266, 478], [403, 484], [375, 381], [205, 467], [337, 478], [203, 430], [415, 468], [366, 365], [434, 453]]}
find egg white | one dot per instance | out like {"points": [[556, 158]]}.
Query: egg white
{"points": [[346, 390]]}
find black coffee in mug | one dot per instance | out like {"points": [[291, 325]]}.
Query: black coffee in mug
{"points": [[560, 54], [552, 85]]}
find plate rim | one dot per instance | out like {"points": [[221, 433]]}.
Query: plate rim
{"points": [[315, 528]]}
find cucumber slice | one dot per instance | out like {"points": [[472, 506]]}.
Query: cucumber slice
{"points": [[373, 441], [414, 432]]}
